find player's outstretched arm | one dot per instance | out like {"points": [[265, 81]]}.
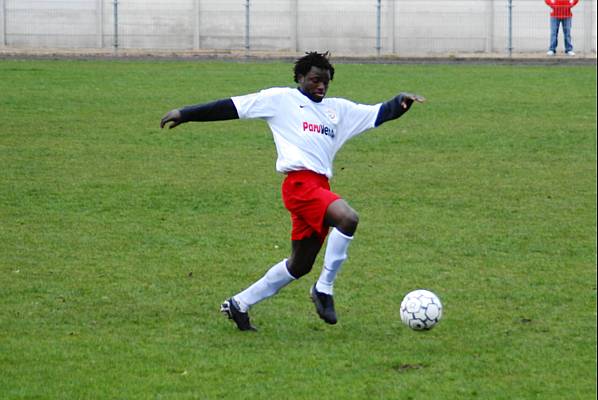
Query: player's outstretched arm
{"points": [[219, 110], [397, 106]]}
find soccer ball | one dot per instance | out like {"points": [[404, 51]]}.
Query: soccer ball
{"points": [[421, 310]]}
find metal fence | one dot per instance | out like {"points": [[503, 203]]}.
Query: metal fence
{"points": [[350, 27]]}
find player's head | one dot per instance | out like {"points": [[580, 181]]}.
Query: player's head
{"points": [[313, 73]]}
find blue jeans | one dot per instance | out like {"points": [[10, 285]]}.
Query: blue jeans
{"points": [[554, 33]]}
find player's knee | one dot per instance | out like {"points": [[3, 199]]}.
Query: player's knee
{"points": [[349, 222], [298, 269]]}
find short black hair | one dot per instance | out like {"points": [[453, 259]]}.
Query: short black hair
{"points": [[312, 59]]}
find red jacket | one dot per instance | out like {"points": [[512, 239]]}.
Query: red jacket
{"points": [[561, 8]]}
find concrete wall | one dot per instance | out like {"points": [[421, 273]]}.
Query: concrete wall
{"points": [[348, 27]]}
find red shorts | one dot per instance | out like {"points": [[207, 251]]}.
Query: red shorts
{"points": [[307, 196]]}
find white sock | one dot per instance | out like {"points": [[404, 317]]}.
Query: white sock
{"points": [[268, 285], [336, 254]]}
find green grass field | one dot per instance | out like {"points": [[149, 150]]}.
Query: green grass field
{"points": [[118, 241]]}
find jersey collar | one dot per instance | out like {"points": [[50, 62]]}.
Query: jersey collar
{"points": [[308, 96]]}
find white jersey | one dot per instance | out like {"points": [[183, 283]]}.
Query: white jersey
{"points": [[307, 134]]}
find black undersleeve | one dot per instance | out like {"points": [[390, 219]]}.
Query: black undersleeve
{"points": [[392, 109], [219, 110]]}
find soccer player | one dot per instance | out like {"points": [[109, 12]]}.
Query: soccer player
{"points": [[308, 131]]}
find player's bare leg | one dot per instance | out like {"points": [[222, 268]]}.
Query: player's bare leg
{"points": [[341, 216], [303, 255]]}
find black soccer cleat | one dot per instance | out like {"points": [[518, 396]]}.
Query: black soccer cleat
{"points": [[230, 308], [324, 305]]}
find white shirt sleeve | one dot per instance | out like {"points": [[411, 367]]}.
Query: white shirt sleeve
{"points": [[357, 118], [262, 104]]}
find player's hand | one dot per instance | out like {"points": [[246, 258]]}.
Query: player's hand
{"points": [[172, 119], [409, 98]]}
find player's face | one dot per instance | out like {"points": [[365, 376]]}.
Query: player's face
{"points": [[315, 83]]}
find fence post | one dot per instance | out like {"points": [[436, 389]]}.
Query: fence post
{"points": [[294, 6], [378, 26], [100, 23], [588, 26], [510, 27], [115, 10], [196, 22], [247, 9], [490, 26], [3, 23], [391, 24]]}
